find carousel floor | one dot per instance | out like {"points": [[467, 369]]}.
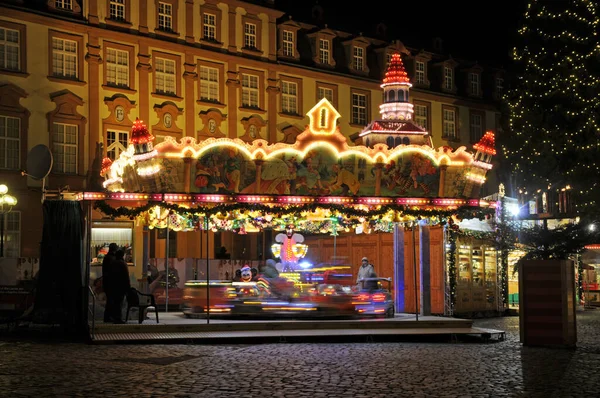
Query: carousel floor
{"points": [[174, 327]]}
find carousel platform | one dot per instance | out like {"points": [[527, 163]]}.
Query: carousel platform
{"points": [[175, 328]]}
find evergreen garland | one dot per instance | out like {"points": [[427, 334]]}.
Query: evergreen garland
{"points": [[452, 234], [291, 210]]}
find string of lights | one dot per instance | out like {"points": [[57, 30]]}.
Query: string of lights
{"points": [[554, 109]]}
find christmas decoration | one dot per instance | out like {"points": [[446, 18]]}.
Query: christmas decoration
{"points": [[145, 154], [451, 265], [554, 104], [395, 72], [106, 163], [289, 248]]}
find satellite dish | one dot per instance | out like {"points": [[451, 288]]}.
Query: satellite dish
{"points": [[39, 162]]}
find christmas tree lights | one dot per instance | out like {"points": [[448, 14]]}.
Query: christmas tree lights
{"points": [[553, 103]]}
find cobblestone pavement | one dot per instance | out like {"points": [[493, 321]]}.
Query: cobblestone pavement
{"points": [[398, 369]]}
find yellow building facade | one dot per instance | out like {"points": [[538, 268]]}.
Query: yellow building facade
{"points": [[75, 74]]}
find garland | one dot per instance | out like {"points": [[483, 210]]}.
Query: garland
{"points": [[579, 277], [292, 210], [452, 233], [504, 242]]}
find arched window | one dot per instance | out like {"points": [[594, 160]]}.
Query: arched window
{"points": [[406, 141], [390, 142], [392, 96], [398, 141]]}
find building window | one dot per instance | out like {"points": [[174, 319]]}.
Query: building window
{"points": [[449, 129], [209, 84], [117, 67], [476, 127], [210, 27], [474, 83], [324, 51], [249, 35], [64, 58], [10, 142], [499, 86], [64, 4], [326, 93], [359, 109], [288, 43], [359, 60], [165, 76], [165, 16], [421, 116], [420, 72], [116, 143], [289, 97], [64, 146], [10, 49], [117, 10], [12, 234], [249, 91], [388, 58], [448, 78]]}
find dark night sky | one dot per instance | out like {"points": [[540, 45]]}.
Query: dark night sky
{"points": [[471, 29]]}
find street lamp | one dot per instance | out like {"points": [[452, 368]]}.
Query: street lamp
{"points": [[6, 204]]}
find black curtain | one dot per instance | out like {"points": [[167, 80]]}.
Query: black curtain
{"points": [[59, 297]]}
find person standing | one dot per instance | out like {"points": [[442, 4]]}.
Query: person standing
{"points": [[121, 285], [366, 270], [108, 265]]}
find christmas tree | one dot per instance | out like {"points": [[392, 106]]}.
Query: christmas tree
{"points": [[553, 102]]}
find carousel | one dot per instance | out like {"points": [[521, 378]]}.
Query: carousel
{"points": [[388, 195]]}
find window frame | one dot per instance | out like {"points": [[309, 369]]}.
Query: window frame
{"points": [[324, 51], [299, 97], [420, 74], [475, 83], [119, 147], [481, 115], [211, 84], [79, 57], [456, 135], [261, 88], [64, 144], [448, 78], [427, 106], [126, 11], [8, 232], [19, 141], [174, 14], [257, 22], [367, 95], [131, 66], [288, 44], [355, 58], [21, 29], [65, 112], [329, 86], [221, 83], [170, 57]]}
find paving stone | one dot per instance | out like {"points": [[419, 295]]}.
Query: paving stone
{"points": [[400, 369]]}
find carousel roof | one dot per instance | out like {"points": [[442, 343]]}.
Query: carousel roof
{"points": [[487, 144], [393, 127], [395, 72]]}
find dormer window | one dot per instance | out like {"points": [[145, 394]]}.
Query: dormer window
{"points": [[474, 83], [448, 78], [117, 10], [288, 43], [359, 60], [420, 72], [499, 86], [165, 17], [249, 35], [64, 5], [324, 51], [210, 27]]}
